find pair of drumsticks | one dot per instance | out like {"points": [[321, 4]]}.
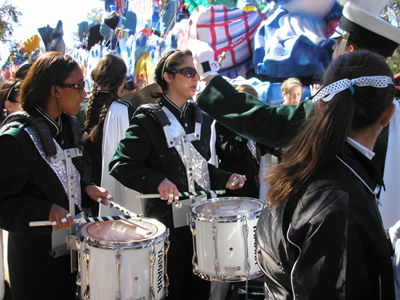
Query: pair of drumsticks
{"points": [[127, 214]]}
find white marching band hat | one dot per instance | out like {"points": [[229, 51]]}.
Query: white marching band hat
{"points": [[361, 23]]}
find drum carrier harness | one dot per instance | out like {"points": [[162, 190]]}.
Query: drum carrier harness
{"points": [[159, 113]]}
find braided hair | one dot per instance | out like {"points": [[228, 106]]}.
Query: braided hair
{"points": [[109, 74]]}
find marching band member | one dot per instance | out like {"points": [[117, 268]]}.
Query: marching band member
{"points": [[104, 119], [40, 180], [165, 150], [321, 236]]}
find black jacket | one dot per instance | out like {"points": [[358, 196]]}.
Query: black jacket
{"points": [[143, 160], [28, 189], [329, 243]]}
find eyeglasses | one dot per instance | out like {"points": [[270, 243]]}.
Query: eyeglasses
{"points": [[77, 86], [188, 72]]}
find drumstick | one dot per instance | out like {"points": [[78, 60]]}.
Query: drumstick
{"points": [[84, 220], [185, 194], [123, 209], [235, 182]]}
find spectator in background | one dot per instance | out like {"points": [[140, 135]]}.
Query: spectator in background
{"points": [[10, 97], [22, 71], [291, 91], [128, 90]]}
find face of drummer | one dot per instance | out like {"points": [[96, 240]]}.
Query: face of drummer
{"points": [[70, 99], [181, 85]]}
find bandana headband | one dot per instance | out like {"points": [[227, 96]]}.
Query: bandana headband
{"points": [[328, 92]]}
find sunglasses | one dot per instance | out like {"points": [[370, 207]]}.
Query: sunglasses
{"points": [[76, 86], [188, 72]]}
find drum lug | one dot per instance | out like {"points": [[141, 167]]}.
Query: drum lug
{"points": [[78, 279], [232, 271], [166, 283], [152, 257], [192, 227], [194, 260], [118, 265], [86, 293], [246, 244], [214, 235], [166, 246]]}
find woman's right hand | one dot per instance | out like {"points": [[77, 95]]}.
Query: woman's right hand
{"points": [[168, 191], [60, 218]]}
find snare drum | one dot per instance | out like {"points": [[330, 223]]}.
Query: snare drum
{"points": [[122, 259], [223, 232]]}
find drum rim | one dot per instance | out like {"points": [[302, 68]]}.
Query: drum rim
{"points": [[238, 278], [230, 218], [160, 235]]}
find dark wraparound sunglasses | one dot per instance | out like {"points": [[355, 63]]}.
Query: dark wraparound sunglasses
{"points": [[77, 86], [188, 72]]}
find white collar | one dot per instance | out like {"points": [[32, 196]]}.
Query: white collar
{"points": [[365, 151]]}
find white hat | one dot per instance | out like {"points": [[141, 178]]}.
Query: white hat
{"points": [[367, 29]]}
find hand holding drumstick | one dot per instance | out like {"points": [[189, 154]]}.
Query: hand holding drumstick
{"points": [[236, 181]]}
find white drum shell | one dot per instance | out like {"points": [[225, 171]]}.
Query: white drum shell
{"points": [[230, 247], [134, 270]]}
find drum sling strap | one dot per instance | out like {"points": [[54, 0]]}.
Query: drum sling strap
{"points": [[196, 166], [60, 162]]}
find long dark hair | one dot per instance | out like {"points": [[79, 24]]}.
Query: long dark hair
{"points": [[51, 68], [325, 133], [110, 72], [171, 60]]}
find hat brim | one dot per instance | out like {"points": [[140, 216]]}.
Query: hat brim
{"points": [[335, 35]]}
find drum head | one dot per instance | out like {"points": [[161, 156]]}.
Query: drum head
{"points": [[121, 231], [227, 207]]}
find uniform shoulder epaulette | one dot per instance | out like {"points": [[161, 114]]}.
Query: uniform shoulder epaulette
{"points": [[155, 111]]}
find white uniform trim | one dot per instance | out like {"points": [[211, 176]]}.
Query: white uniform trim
{"points": [[294, 266]]}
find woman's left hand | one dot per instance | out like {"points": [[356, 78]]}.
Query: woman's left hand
{"points": [[99, 194], [236, 181]]}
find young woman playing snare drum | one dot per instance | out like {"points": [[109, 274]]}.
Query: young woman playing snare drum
{"points": [[146, 163], [33, 181]]}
